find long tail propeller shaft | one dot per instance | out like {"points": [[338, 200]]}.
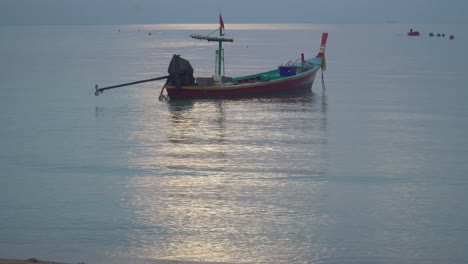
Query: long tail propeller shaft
{"points": [[101, 90]]}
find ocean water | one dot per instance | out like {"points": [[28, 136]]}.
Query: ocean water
{"points": [[374, 169]]}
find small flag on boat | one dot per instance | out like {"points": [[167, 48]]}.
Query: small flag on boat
{"points": [[221, 22]]}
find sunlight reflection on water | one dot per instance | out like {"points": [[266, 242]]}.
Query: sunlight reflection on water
{"points": [[220, 218], [219, 190]]}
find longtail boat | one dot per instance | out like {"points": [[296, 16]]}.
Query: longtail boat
{"points": [[289, 78]]}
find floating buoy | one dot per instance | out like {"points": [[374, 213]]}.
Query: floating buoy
{"points": [[443, 35], [452, 37], [149, 33], [431, 34], [438, 34]]}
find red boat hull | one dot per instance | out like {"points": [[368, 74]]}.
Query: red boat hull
{"points": [[300, 82], [413, 33]]}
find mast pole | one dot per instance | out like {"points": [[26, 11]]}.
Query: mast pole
{"points": [[219, 51]]}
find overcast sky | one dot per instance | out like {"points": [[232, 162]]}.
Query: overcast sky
{"points": [[71, 12]]}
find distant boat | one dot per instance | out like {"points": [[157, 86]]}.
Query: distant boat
{"points": [[413, 33]]}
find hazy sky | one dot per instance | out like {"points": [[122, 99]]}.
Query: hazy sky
{"points": [[40, 12]]}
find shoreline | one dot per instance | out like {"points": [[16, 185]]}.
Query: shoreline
{"points": [[140, 261], [28, 261]]}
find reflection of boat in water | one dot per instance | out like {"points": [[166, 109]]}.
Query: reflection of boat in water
{"points": [[289, 78], [217, 135]]}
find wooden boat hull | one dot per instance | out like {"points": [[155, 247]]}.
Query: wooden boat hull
{"points": [[299, 82]]}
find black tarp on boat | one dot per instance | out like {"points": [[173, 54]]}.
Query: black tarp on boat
{"points": [[180, 72]]}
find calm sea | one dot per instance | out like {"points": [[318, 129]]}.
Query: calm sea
{"points": [[372, 170]]}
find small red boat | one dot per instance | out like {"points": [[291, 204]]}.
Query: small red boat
{"points": [[413, 33]]}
